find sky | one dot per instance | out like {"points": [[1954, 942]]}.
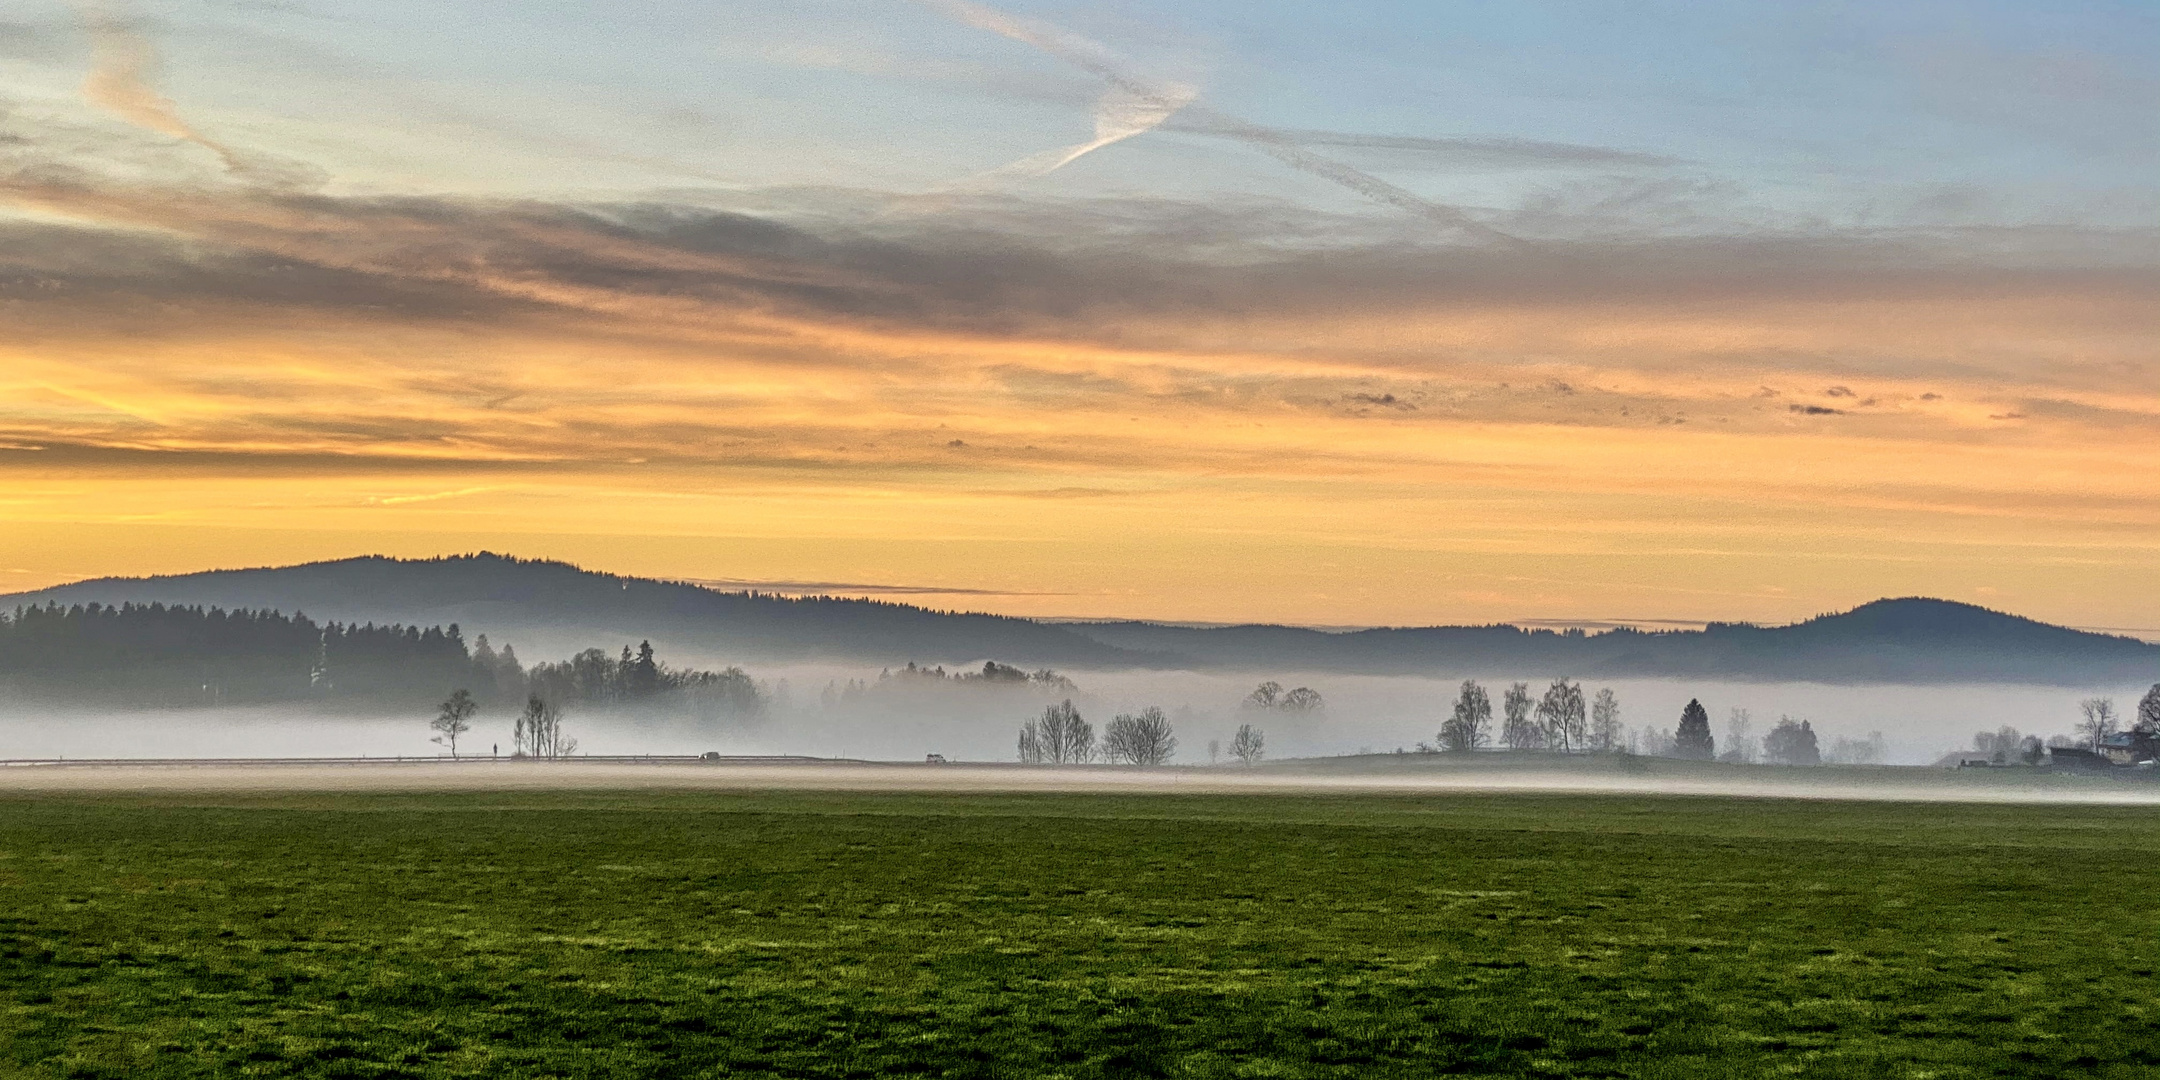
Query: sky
{"points": [[1351, 314]]}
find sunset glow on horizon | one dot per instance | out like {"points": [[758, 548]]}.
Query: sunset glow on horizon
{"points": [[1181, 310]]}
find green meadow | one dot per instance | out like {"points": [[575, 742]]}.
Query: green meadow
{"points": [[687, 934]]}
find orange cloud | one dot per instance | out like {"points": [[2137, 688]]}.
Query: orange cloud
{"points": [[1371, 433]]}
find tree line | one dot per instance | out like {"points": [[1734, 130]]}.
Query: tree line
{"points": [[1564, 719], [1560, 719], [155, 655], [1062, 736]]}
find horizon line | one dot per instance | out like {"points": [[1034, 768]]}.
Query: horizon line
{"points": [[857, 590]]}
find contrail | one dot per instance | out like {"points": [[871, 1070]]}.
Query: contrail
{"points": [[1120, 115], [1098, 61], [119, 81], [1129, 106]]}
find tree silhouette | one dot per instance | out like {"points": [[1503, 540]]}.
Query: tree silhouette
{"points": [[1139, 740], [1605, 725], [1304, 699], [1060, 736], [1249, 745], [2099, 720], [1792, 742], [1693, 740], [538, 732], [2145, 730], [455, 718], [1464, 730], [644, 678], [1516, 730], [1560, 713]]}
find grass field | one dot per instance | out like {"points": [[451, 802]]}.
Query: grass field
{"points": [[916, 934]]}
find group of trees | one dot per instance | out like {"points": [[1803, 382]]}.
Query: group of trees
{"points": [[1790, 742], [1061, 736], [537, 732], [1560, 720], [916, 685], [2098, 728], [2100, 720], [992, 673], [1271, 697], [152, 655], [591, 679]]}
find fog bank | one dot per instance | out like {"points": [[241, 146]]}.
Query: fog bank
{"points": [[846, 712]]}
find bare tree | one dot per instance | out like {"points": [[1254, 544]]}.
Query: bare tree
{"points": [[1060, 736], [1516, 730], [1214, 751], [538, 732], [1560, 713], [1249, 745], [2148, 714], [1304, 699], [455, 719], [1605, 729], [2099, 722], [1139, 740], [1267, 695], [1739, 737], [1464, 731]]}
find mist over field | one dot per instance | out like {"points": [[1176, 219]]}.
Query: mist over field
{"points": [[811, 711]]}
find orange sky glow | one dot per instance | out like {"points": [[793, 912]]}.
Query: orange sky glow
{"points": [[1071, 405]]}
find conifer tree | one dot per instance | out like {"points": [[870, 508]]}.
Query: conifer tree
{"points": [[1693, 739]]}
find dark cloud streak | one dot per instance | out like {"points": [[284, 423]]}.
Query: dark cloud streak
{"points": [[1064, 265]]}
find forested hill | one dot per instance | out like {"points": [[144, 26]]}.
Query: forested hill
{"points": [[553, 607], [136, 655], [1910, 640], [151, 654]]}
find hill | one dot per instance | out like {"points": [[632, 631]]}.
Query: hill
{"points": [[552, 606], [1908, 640]]}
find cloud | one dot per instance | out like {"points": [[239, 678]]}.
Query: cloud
{"points": [[1280, 145], [1466, 152], [1067, 344], [1107, 272], [122, 61]]}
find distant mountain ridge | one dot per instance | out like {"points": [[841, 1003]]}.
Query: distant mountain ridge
{"points": [[554, 605], [559, 607]]}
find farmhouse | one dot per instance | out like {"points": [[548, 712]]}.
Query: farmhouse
{"points": [[2127, 747]]}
